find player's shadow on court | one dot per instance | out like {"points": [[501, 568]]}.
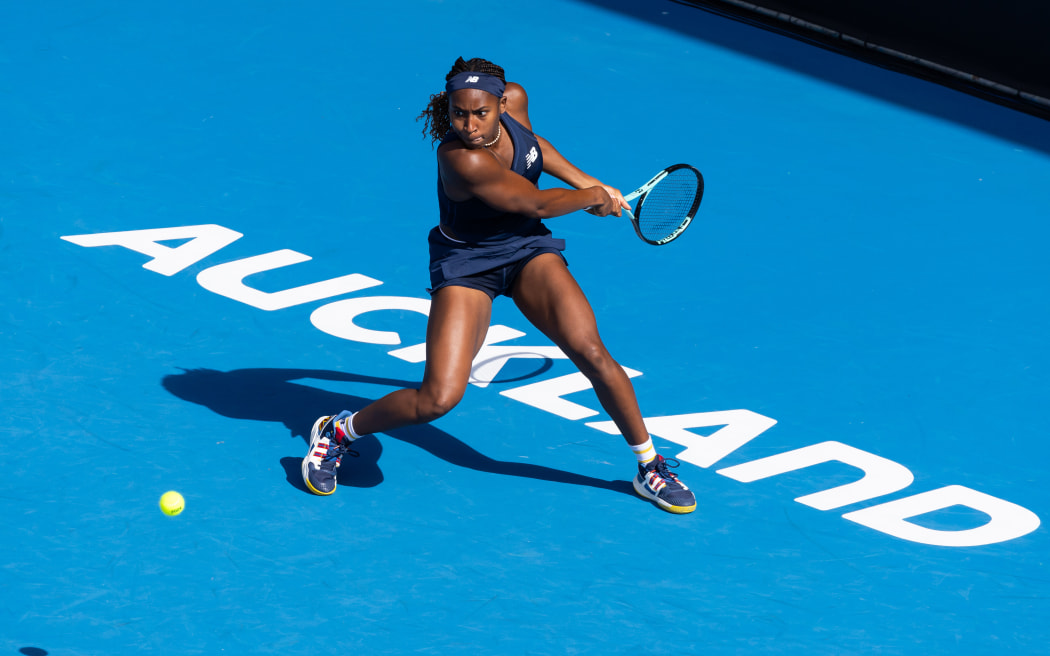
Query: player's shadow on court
{"points": [[274, 395]]}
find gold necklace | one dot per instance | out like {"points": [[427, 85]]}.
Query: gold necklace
{"points": [[499, 133]]}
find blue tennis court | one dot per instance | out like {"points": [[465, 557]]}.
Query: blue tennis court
{"points": [[213, 225]]}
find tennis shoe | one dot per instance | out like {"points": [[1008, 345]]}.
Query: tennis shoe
{"points": [[656, 483], [328, 445]]}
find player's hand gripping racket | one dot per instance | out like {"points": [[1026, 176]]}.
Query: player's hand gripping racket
{"points": [[666, 204]]}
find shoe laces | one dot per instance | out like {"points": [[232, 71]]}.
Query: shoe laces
{"points": [[336, 450], [661, 467], [331, 459]]}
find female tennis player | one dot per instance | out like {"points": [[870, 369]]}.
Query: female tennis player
{"points": [[491, 241]]}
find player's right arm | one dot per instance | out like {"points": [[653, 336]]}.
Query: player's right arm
{"points": [[475, 173]]}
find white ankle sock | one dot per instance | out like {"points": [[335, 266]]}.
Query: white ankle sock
{"points": [[347, 425], [645, 452]]}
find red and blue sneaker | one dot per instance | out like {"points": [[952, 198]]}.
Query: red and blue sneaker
{"points": [[656, 483], [328, 445]]}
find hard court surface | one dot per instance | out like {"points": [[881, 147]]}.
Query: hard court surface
{"points": [[859, 313]]}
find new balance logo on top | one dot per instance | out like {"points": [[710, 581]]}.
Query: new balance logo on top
{"points": [[472, 79], [530, 158]]}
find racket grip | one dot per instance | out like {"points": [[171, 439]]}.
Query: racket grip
{"points": [[626, 212]]}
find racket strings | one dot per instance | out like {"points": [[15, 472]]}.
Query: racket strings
{"points": [[668, 205]]}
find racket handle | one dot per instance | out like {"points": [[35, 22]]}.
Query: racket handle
{"points": [[624, 210]]}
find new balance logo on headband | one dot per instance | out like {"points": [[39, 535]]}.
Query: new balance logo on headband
{"points": [[476, 80]]}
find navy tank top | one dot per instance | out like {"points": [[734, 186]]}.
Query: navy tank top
{"points": [[474, 221]]}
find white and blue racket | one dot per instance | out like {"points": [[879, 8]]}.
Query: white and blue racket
{"points": [[666, 204]]}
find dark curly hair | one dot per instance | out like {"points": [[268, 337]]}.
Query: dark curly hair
{"points": [[435, 116]]}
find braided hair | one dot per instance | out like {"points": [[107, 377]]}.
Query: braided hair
{"points": [[435, 116]]}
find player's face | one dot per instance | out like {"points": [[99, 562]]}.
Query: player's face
{"points": [[474, 115]]}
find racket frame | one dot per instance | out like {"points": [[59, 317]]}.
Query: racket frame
{"points": [[642, 191]]}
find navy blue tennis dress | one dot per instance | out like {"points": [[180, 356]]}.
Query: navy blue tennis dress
{"points": [[491, 246]]}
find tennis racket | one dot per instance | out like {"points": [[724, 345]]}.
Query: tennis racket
{"points": [[666, 204]]}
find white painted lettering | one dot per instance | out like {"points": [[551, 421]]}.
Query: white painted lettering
{"points": [[738, 428], [227, 280], [881, 476], [337, 318], [1008, 521], [165, 260]]}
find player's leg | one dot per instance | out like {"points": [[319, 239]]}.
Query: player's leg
{"points": [[456, 329], [550, 298]]}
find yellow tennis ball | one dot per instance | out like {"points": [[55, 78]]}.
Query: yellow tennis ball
{"points": [[172, 503]]}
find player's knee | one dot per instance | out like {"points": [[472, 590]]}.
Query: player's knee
{"points": [[593, 360], [436, 404]]}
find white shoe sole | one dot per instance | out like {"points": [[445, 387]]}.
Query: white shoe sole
{"points": [[315, 439], [642, 490]]}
